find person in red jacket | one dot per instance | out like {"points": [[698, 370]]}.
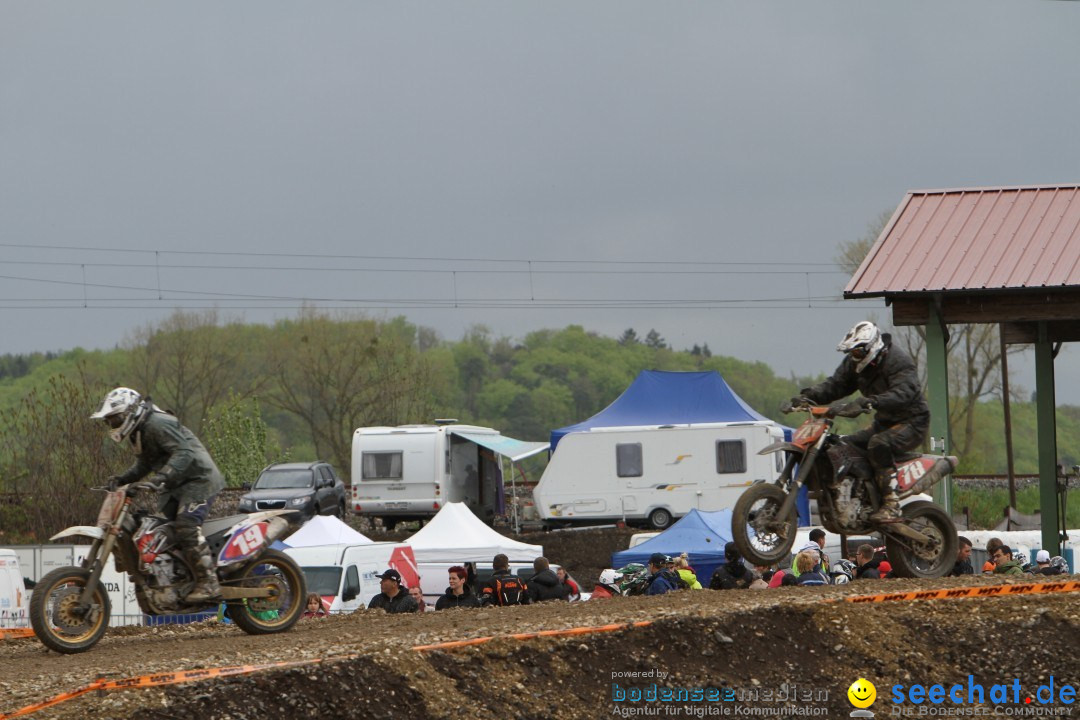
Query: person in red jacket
{"points": [[569, 582]]}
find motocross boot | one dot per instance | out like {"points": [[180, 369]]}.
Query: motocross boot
{"points": [[206, 583], [889, 510]]}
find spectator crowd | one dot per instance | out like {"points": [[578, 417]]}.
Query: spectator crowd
{"points": [[810, 566]]}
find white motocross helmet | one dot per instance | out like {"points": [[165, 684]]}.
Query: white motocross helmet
{"points": [[122, 410], [863, 342], [843, 572]]}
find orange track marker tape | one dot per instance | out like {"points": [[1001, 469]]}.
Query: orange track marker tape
{"points": [[955, 593], [15, 633]]}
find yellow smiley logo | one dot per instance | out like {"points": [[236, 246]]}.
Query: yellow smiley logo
{"points": [[862, 693]]}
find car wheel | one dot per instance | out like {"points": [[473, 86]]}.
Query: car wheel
{"points": [[660, 519]]}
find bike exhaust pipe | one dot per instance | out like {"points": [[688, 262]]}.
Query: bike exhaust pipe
{"points": [[943, 467], [277, 527]]}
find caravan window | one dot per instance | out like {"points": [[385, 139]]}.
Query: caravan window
{"points": [[628, 460], [381, 465], [730, 456]]}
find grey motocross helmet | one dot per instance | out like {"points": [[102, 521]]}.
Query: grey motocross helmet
{"points": [[122, 410], [863, 343]]}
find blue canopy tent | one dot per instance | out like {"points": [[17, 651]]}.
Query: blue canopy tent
{"points": [[701, 535], [660, 397]]}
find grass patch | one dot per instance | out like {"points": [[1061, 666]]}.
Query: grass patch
{"points": [[987, 505]]}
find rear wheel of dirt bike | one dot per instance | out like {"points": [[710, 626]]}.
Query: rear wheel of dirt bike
{"points": [[762, 537], [57, 616], [279, 573], [923, 560]]}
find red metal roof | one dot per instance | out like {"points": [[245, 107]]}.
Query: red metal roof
{"points": [[973, 239]]}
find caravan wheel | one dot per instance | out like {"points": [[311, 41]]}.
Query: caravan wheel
{"points": [[660, 519]]}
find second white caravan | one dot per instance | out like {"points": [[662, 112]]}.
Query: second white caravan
{"points": [[655, 473], [412, 471]]}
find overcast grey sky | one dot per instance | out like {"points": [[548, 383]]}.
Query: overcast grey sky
{"points": [[705, 158]]}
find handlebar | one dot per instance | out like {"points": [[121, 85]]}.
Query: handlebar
{"points": [[130, 488], [848, 410]]}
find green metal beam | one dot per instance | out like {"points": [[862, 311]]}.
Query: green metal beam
{"points": [[1045, 408], [937, 380]]}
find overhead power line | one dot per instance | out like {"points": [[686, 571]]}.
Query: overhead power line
{"points": [[416, 258]]}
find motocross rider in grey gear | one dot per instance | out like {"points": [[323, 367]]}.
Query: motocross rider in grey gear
{"points": [[182, 467]]}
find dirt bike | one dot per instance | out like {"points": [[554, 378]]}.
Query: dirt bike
{"points": [[921, 544], [264, 589]]}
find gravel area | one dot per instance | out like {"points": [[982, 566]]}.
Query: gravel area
{"points": [[745, 640]]}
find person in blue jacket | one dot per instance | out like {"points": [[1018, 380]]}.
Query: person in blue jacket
{"points": [[661, 579]]}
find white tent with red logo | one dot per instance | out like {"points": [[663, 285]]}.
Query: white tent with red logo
{"points": [[456, 535]]}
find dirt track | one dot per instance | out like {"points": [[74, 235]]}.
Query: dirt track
{"points": [[745, 641]]}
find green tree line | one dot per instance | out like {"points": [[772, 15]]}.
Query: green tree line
{"points": [[299, 387]]}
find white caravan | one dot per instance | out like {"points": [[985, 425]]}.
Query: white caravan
{"points": [[346, 576], [410, 472], [654, 473]]}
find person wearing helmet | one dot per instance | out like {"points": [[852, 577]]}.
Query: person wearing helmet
{"points": [[1060, 564], [180, 465], [843, 572], [886, 378]]}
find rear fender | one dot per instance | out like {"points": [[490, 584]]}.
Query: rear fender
{"points": [[252, 537]]}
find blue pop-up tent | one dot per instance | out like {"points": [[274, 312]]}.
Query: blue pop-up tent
{"points": [[660, 397], [701, 535]]}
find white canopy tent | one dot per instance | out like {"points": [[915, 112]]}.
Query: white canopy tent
{"points": [[325, 530], [456, 535]]}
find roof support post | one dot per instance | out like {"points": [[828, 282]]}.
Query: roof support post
{"points": [[937, 380], [1045, 401]]}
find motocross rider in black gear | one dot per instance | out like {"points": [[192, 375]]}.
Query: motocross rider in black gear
{"points": [[886, 377]]}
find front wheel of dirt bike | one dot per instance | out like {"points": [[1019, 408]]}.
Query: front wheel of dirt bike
{"points": [[923, 560], [762, 537], [59, 620], [278, 573]]}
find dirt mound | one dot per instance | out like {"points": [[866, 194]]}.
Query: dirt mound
{"points": [[809, 652]]}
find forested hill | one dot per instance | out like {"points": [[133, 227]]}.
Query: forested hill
{"points": [[313, 379]]}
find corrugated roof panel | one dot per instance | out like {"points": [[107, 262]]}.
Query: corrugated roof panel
{"points": [[1014, 247], [975, 239], [920, 236], [970, 212], [938, 269], [1029, 242], [976, 274], [1058, 250], [1064, 215]]}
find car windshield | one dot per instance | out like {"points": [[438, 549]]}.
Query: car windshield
{"points": [[323, 580], [283, 479]]}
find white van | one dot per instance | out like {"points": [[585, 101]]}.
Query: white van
{"points": [[410, 472], [14, 601], [346, 576], [654, 473]]}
